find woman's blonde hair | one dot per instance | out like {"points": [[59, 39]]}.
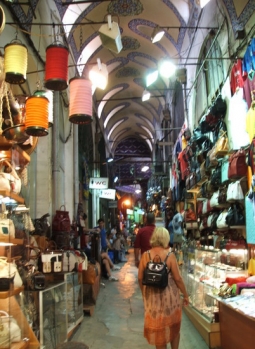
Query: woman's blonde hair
{"points": [[160, 237]]}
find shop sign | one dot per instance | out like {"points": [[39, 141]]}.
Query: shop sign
{"points": [[113, 204], [98, 183], [107, 194]]}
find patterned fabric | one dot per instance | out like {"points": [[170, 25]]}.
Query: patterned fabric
{"points": [[162, 312]]}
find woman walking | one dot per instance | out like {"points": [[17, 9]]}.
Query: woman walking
{"points": [[162, 307]]}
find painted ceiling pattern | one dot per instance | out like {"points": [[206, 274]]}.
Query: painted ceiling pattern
{"points": [[137, 19]]}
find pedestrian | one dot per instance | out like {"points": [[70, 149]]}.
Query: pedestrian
{"points": [[102, 233], [162, 307], [142, 240]]}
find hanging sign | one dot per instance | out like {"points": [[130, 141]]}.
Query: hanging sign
{"points": [[98, 183], [107, 194], [113, 204]]}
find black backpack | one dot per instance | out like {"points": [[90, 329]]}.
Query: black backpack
{"points": [[156, 272]]}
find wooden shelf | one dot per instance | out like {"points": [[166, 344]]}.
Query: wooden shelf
{"points": [[10, 293], [12, 240], [12, 195]]}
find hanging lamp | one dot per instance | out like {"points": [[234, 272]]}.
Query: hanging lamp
{"points": [[49, 95], [15, 62], [37, 110], [80, 108], [56, 68]]}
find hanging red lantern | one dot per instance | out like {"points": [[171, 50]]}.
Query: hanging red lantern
{"points": [[37, 110], [56, 68], [80, 108]]}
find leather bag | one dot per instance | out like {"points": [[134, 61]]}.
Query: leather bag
{"points": [[234, 192], [8, 270], [235, 216], [10, 181], [61, 220], [221, 220], [156, 272], [237, 165]]}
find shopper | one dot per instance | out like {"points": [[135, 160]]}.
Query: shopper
{"points": [[102, 234], [162, 307], [142, 240], [108, 266]]}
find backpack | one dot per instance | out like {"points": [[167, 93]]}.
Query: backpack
{"points": [[156, 272]]}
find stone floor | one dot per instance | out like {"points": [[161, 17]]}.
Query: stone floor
{"points": [[117, 321]]}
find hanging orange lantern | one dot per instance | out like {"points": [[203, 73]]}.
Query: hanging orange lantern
{"points": [[49, 95], [15, 62], [56, 68], [37, 110], [80, 108]]}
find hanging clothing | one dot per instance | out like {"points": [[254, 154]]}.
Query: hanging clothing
{"points": [[236, 76], [250, 122], [237, 134], [249, 86], [249, 58]]}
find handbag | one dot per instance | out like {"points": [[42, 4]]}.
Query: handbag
{"points": [[10, 181], [9, 271], [61, 220], [9, 325], [235, 216], [35, 281], [234, 192], [219, 107], [221, 220], [7, 228], [237, 165], [221, 145], [156, 272], [222, 198], [214, 201], [216, 177]]}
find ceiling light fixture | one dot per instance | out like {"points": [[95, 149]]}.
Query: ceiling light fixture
{"points": [[146, 95], [157, 34], [110, 159], [202, 3], [98, 75], [151, 78], [115, 179], [166, 68], [145, 168], [110, 35]]}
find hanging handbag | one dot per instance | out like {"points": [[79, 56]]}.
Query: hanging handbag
{"points": [[237, 165], [61, 220], [221, 220], [235, 216], [10, 181], [7, 228], [219, 108], [221, 145], [190, 215], [216, 177], [222, 198], [234, 192], [214, 201], [9, 330]]}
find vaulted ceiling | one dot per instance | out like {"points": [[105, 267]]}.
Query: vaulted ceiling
{"points": [[130, 127]]}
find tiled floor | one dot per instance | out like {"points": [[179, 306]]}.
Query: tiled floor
{"points": [[117, 321]]}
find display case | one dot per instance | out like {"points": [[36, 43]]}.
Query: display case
{"points": [[12, 303], [53, 315], [204, 271], [73, 300]]}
